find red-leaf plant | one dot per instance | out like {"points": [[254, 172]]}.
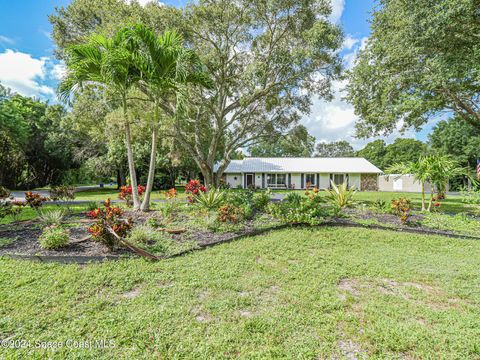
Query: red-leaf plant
{"points": [[193, 189], [126, 193]]}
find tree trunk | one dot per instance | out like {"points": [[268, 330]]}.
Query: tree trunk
{"points": [[423, 196], [431, 199], [131, 162], [153, 160]]}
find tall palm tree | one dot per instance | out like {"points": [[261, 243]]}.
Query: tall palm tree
{"points": [[165, 66], [108, 62], [435, 169]]}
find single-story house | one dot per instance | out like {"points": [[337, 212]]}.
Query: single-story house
{"points": [[300, 173]]}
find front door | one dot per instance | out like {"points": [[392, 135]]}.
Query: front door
{"points": [[250, 180]]}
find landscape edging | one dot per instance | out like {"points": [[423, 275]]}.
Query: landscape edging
{"points": [[80, 259]]}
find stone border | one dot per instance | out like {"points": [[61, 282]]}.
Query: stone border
{"points": [[95, 259]]}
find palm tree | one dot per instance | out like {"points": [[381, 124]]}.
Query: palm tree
{"points": [[108, 63], [165, 66], [435, 169]]}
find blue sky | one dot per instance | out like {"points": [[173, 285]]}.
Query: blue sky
{"points": [[27, 64]]}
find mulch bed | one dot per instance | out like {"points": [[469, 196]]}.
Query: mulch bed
{"points": [[24, 236]]}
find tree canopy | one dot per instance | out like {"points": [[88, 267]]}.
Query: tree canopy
{"points": [[297, 142], [340, 148], [422, 58]]}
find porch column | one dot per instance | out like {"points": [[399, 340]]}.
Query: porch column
{"points": [[302, 181]]}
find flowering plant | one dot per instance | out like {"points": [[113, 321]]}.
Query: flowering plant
{"points": [[126, 193], [108, 219], [171, 194], [193, 189]]}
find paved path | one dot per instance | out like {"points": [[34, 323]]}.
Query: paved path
{"points": [[20, 195]]}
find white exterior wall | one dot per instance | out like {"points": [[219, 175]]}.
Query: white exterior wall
{"points": [[324, 181], [258, 180], [230, 178], [297, 180], [404, 183], [354, 181]]}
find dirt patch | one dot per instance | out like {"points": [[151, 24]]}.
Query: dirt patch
{"points": [[351, 350], [201, 315], [136, 291]]}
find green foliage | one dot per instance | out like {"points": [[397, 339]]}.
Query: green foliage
{"points": [[210, 200], [340, 148], [458, 139], [261, 199], [4, 193], [340, 196], [297, 142], [92, 205], [470, 197], [51, 217], [402, 208], [460, 223], [419, 60], [380, 206], [53, 237], [296, 209]]}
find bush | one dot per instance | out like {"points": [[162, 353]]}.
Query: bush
{"points": [[470, 197], [62, 192], [53, 237], [230, 213], [126, 193], [261, 200], [295, 209], [92, 205], [340, 196], [380, 206], [146, 236], [402, 208], [107, 220], [52, 217], [34, 200], [171, 205], [211, 200], [193, 189]]}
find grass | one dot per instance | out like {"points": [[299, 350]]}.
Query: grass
{"points": [[295, 293], [30, 214]]}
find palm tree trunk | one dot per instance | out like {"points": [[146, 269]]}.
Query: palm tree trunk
{"points": [[431, 199], [153, 159], [131, 163], [423, 196]]}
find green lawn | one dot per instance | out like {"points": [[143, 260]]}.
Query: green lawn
{"points": [[296, 293]]}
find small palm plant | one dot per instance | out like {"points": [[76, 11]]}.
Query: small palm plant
{"points": [[340, 196], [211, 199]]}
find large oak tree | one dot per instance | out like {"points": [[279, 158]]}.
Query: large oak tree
{"points": [[422, 58]]}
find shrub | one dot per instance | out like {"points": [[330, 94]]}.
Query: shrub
{"points": [[470, 197], [62, 192], [92, 205], [340, 196], [211, 200], [402, 208], [230, 213], [261, 200], [126, 193], [52, 217], [380, 206], [53, 237], [295, 209], [34, 200], [156, 241], [108, 219], [193, 189], [171, 205]]}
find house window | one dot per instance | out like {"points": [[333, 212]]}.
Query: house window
{"points": [[310, 180], [338, 179], [276, 180]]}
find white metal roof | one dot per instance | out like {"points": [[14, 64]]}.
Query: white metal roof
{"points": [[303, 165]]}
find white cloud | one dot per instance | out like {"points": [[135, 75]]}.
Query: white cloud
{"points": [[58, 71], [337, 10], [4, 40], [335, 120], [28, 75]]}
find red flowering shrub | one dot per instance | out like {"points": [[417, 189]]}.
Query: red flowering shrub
{"points": [[34, 200], [126, 193], [230, 213], [193, 189], [110, 217]]}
